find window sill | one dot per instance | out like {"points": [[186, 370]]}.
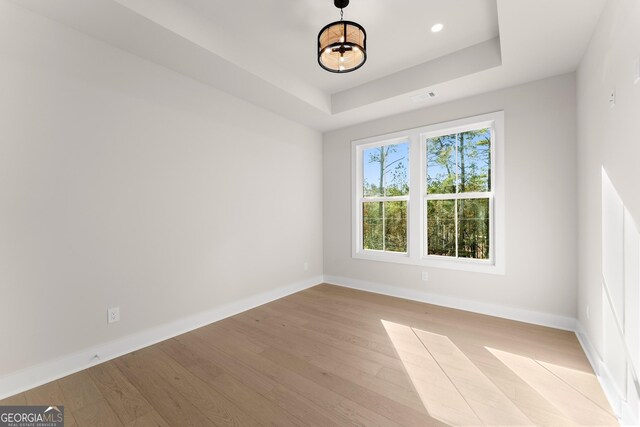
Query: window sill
{"points": [[433, 262]]}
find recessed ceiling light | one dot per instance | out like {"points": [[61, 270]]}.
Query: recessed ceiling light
{"points": [[437, 28]]}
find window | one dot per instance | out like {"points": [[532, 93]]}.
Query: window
{"points": [[432, 196], [458, 197], [385, 195]]}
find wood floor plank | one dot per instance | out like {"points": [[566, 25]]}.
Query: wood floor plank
{"points": [[170, 404], [122, 396], [483, 396], [556, 346], [150, 419], [439, 394], [229, 383], [291, 402], [79, 390], [47, 394], [97, 414], [215, 405], [208, 361], [375, 304], [558, 339], [534, 405], [69, 419], [564, 397], [342, 410], [333, 356], [359, 347], [312, 347], [363, 378], [17, 400], [583, 382], [370, 399]]}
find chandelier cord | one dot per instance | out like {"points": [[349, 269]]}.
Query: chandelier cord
{"points": [[341, 13]]}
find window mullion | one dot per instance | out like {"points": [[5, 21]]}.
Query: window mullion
{"points": [[455, 203], [384, 226], [384, 199], [414, 226], [455, 221], [415, 203]]}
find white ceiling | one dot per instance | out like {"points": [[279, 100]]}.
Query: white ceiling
{"points": [[285, 32], [264, 50]]}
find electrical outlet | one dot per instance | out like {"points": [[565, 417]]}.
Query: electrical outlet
{"points": [[636, 71], [305, 266], [425, 276], [113, 314], [588, 312]]}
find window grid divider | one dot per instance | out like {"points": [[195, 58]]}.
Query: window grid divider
{"points": [[417, 235]]}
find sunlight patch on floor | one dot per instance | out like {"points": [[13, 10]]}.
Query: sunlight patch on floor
{"points": [[555, 389], [585, 382], [486, 400], [452, 389]]}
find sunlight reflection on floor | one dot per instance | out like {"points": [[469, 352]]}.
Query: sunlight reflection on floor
{"points": [[454, 390], [564, 396], [439, 396]]}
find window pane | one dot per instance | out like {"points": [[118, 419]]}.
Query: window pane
{"points": [[386, 170], [474, 161], [395, 232], [441, 227], [372, 226], [441, 164], [473, 228], [384, 226]]}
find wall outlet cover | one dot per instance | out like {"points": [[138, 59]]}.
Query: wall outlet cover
{"points": [[113, 314]]}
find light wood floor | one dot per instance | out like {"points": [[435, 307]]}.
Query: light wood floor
{"points": [[331, 356]]}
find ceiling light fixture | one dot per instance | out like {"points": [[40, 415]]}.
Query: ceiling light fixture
{"points": [[342, 45], [437, 28]]}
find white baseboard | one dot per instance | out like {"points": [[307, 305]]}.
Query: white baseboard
{"points": [[521, 315], [37, 375], [52, 370], [627, 416]]}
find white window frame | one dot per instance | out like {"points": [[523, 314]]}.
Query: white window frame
{"points": [[416, 200], [362, 199]]}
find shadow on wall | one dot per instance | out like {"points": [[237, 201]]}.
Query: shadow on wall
{"points": [[620, 298]]}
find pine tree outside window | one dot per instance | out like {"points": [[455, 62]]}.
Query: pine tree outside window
{"points": [[446, 210]]}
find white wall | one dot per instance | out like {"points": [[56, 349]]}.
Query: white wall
{"points": [[540, 208], [608, 138], [123, 183]]}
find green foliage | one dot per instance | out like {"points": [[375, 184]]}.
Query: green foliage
{"points": [[441, 164], [441, 227], [385, 223], [473, 228], [456, 163], [385, 226], [459, 163], [392, 176], [373, 226]]}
